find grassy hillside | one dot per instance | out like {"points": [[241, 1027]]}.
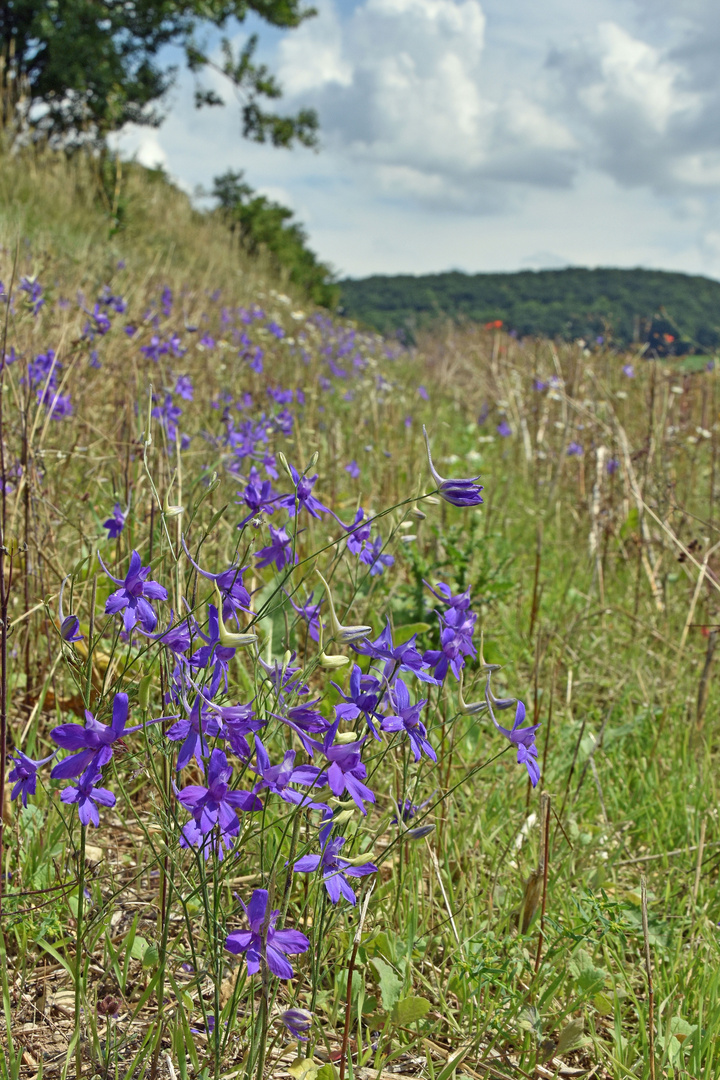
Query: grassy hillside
{"points": [[619, 305], [311, 841]]}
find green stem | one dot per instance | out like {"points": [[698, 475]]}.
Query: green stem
{"points": [[78, 949]]}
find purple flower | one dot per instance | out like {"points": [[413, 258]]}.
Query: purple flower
{"points": [[612, 466], [423, 393], [504, 429], [278, 943], [443, 593], [215, 804], [335, 870], [309, 612], [365, 694], [353, 468], [374, 557], [24, 774], [230, 583], [629, 370], [456, 492], [397, 658], [213, 652], [69, 624], [524, 740], [574, 450], [406, 717], [346, 771], [132, 596], [258, 496], [87, 796], [302, 497], [184, 387], [192, 731], [458, 626], [279, 551], [277, 778], [358, 532], [116, 523], [297, 1022], [93, 743]]}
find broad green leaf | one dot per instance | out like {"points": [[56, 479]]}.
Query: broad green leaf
{"points": [[390, 985], [409, 1010], [570, 1036], [304, 1069], [139, 946]]}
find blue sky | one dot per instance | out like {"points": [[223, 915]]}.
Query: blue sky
{"points": [[482, 134]]}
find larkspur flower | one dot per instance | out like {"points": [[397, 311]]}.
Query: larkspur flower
{"points": [[258, 496], [353, 468], [358, 531], [365, 692], [406, 717], [309, 613], [192, 730], [524, 739], [216, 804], [456, 492], [504, 429], [87, 796], [455, 643], [69, 624], [24, 774], [374, 557], [404, 657], [132, 598], [302, 498], [279, 551], [335, 870], [612, 466], [278, 778], [278, 943], [92, 743], [213, 652], [346, 772], [574, 450], [235, 596], [297, 1022], [115, 523], [629, 371]]}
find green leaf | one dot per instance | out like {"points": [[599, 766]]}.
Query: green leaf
{"points": [[390, 985], [570, 1036], [452, 1063], [138, 948], [151, 957], [590, 979], [327, 1073], [304, 1069], [404, 633], [409, 1010]]}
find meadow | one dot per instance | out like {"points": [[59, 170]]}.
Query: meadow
{"points": [[318, 761]]}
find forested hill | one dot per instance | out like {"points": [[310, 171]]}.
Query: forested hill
{"points": [[620, 305]]}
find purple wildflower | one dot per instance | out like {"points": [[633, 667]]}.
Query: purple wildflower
{"points": [[277, 778], [335, 870], [92, 743], [297, 1022], [116, 523], [24, 774], [216, 804], [574, 450], [69, 624], [504, 429], [302, 497], [184, 387], [456, 492], [191, 731], [524, 740], [279, 551], [406, 717], [87, 796], [278, 943], [132, 596], [353, 468], [374, 556]]}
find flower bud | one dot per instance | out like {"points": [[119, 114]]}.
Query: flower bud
{"points": [[345, 737], [333, 661], [343, 634], [419, 833], [230, 640], [284, 462]]}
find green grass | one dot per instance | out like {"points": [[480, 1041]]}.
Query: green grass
{"points": [[585, 584]]}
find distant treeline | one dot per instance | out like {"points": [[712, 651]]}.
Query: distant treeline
{"points": [[677, 313]]}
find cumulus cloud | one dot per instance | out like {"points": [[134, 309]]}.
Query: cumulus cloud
{"points": [[637, 110], [401, 89]]}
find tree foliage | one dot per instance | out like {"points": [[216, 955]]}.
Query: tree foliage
{"points": [[674, 312], [267, 227], [76, 70]]}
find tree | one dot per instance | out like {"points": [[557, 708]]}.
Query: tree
{"points": [[76, 70], [265, 226]]}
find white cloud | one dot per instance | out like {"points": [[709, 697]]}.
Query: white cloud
{"points": [[401, 91]]}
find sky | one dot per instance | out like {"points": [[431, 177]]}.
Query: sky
{"points": [[480, 136]]}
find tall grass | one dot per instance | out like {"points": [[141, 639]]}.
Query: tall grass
{"points": [[510, 939]]}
